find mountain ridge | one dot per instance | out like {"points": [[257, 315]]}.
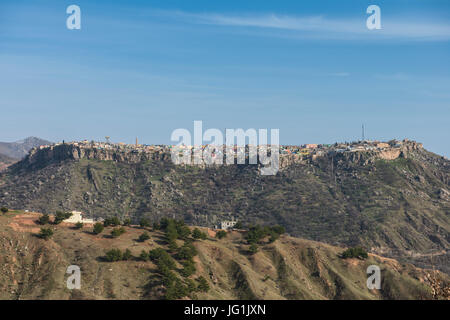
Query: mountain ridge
{"points": [[19, 149], [396, 204]]}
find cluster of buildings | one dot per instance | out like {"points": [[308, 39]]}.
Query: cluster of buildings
{"points": [[304, 151]]}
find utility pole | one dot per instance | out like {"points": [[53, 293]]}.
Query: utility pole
{"points": [[363, 138]]}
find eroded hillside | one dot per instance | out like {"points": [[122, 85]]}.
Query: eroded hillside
{"points": [[289, 268]]}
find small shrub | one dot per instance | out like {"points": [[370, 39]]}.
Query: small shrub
{"points": [[203, 285], [113, 255], [127, 255], [126, 222], [221, 234], [4, 210], [98, 228], [197, 234], [188, 268], [44, 219], [46, 233], [253, 248], [61, 216], [143, 237], [117, 232], [357, 252], [114, 221]]}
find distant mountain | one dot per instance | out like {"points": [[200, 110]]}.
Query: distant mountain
{"points": [[19, 149], [6, 161]]}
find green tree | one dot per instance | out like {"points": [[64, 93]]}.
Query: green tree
{"points": [[162, 258], [203, 285], [127, 255], [46, 233], [221, 234], [357, 252], [173, 245], [197, 234], [44, 219], [98, 228], [114, 221], [61, 216], [113, 255], [117, 232], [253, 248], [188, 268]]}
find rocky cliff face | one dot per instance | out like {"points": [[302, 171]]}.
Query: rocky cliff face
{"points": [[54, 154], [39, 157]]}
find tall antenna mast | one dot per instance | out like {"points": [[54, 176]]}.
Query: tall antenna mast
{"points": [[363, 138]]}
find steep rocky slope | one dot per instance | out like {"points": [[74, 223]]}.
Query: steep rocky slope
{"points": [[290, 268]]}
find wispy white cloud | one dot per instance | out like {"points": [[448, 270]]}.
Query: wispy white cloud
{"points": [[321, 26]]}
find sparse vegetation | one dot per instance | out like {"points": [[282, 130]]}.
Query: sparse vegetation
{"points": [[113, 255], [61, 216], [126, 255], [98, 228], [221, 234], [117, 232], [114, 222], [253, 248], [144, 256], [256, 233], [357, 252], [222, 271], [144, 237], [44, 219], [199, 235], [46, 233], [203, 285]]}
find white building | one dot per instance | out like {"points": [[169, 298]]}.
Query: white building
{"points": [[78, 217], [225, 225]]}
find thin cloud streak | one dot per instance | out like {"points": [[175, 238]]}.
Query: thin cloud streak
{"points": [[320, 26]]}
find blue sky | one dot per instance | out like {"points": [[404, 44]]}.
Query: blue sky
{"points": [[145, 68]]}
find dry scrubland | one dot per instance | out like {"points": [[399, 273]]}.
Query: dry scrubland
{"points": [[289, 268]]}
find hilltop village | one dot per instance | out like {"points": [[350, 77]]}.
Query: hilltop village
{"points": [[386, 150]]}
